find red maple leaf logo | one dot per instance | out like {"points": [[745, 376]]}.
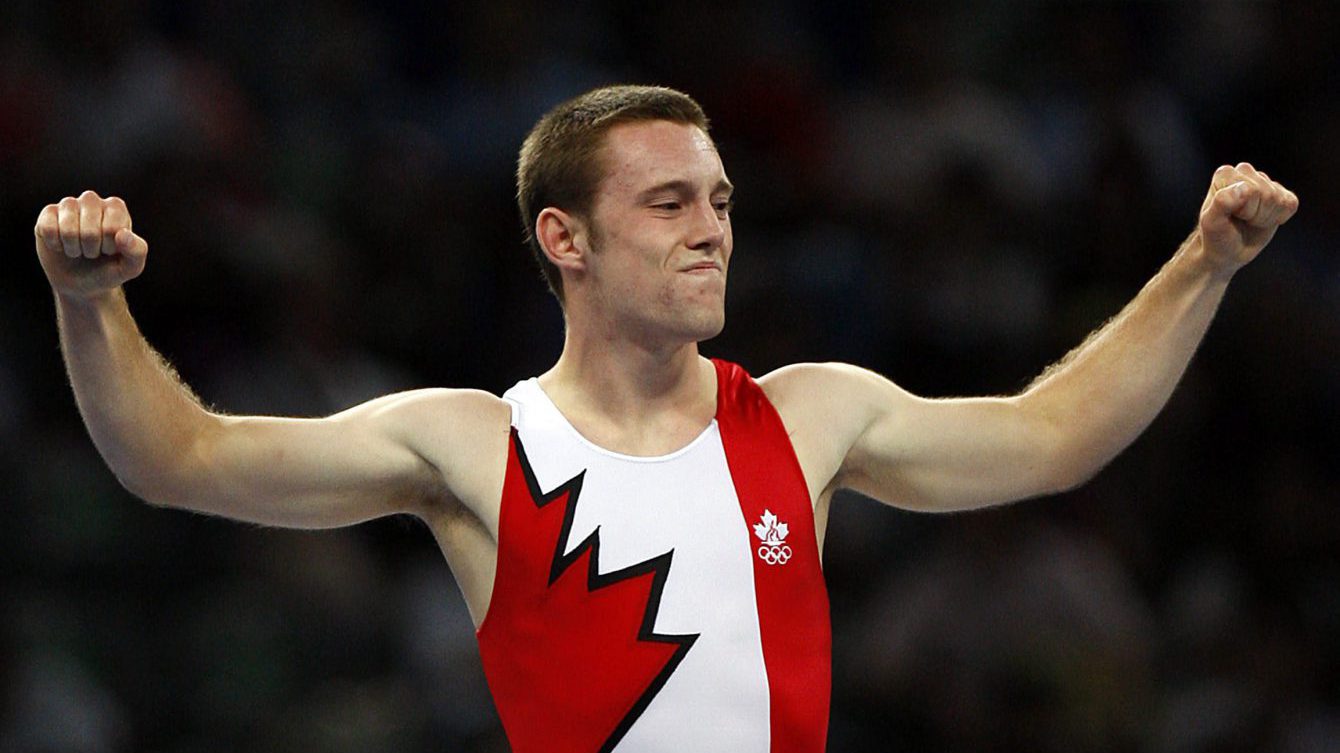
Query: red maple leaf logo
{"points": [[572, 655]]}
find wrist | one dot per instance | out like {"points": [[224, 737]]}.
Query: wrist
{"points": [[1194, 260], [88, 304]]}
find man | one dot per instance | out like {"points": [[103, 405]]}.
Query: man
{"points": [[637, 531]]}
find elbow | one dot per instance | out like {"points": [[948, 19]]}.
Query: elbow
{"points": [[1068, 480], [169, 479], [152, 489], [1072, 464], [1068, 462]]}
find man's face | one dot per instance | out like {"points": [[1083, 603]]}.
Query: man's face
{"points": [[660, 231]]}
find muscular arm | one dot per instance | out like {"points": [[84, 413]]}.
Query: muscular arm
{"points": [[963, 453], [167, 448]]}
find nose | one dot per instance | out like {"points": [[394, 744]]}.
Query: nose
{"points": [[708, 231]]}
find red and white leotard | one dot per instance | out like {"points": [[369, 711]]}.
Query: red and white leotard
{"points": [[648, 604]]}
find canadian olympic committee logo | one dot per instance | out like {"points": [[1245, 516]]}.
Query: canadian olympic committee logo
{"points": [[772, 533]]}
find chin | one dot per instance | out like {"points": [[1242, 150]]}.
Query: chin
{"points": [[709, 327], [690, 319]]}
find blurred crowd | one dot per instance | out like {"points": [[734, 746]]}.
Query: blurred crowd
{"points": [[953, 195]]}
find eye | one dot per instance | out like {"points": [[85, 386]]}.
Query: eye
{"points": [[724, 206], [666, 206]]}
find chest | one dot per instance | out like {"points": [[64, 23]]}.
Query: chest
{"points": [[639, 508]]}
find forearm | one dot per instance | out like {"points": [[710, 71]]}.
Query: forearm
{"points": [[164, 446], [143, 420], [1106, 391]]}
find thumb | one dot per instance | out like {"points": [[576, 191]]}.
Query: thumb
{"points": [[132, 251], [1225, 204], [131, 245]]}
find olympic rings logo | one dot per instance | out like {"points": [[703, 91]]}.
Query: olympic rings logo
{"points": [[774, 555]]}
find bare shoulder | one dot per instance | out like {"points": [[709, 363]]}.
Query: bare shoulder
{"points": [[826, 407], [462, 416], [428, 405], [833, 389], [463, 433]]}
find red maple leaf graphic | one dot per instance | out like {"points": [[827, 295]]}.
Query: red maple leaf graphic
{"points": [[571, 654]]}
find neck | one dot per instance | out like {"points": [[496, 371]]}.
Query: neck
{"points": [[625, 378], [630, 397]]}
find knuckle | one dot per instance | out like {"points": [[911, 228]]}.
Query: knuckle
{"points": [[89, 196], [69, 202]]}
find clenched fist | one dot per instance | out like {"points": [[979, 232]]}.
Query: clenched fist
{"points": [[86, 245], [1241, 212]]}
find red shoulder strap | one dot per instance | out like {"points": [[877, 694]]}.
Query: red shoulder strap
{"points": [[788, 575]]}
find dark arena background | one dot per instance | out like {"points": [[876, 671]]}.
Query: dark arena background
{"points": [[953, 197]]}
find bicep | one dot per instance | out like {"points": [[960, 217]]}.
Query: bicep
{"points": [[953, 454], [360, 464], [927, 454]]}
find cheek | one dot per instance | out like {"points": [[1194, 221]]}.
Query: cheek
{"points": [[667, 297]]}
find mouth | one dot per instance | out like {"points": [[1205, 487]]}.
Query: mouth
{"points": [[705, 267]]}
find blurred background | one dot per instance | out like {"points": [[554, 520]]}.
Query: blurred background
{"points": [[953, 195]]}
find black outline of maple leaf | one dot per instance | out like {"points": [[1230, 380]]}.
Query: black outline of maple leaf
{"points": [[658, 566]]}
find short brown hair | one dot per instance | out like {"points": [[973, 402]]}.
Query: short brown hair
{"points": [[559, 163]]}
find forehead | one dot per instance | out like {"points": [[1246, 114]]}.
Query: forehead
{"points": [[647, 153]]}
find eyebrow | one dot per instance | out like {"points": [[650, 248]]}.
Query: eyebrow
{"points": [[683, 187]]}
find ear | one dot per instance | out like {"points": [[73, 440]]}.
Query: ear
{"points": [[563, 238]]}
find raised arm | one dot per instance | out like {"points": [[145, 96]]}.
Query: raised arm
{"points": [[164, 446], [860, 431]]}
